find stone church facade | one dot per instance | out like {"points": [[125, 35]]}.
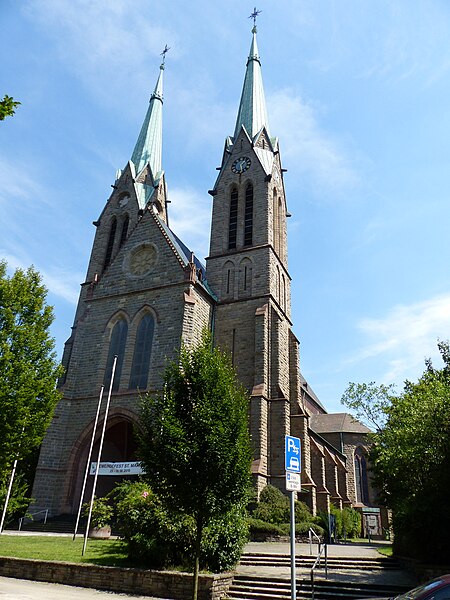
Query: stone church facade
{"points": [[146, 293]]}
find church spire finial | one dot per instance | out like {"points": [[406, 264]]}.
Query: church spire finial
{"points": [[252, 112], [148, 149], [163, 54], [253, 16]]}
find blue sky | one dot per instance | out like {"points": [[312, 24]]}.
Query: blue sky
{"points": [[357, 92]]}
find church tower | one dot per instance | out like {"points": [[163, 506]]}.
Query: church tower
{"points": [[248, 270]]}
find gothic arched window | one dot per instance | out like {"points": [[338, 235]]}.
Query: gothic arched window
{"points": [[116, 348], [232, 228], [110, 246], [123, 233], [142, 353], [248, 222], [361, 483]]}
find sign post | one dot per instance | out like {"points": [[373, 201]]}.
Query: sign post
{"points": [[293, 468]]}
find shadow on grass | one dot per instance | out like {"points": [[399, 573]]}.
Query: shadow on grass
{"points": [[112, 554]]}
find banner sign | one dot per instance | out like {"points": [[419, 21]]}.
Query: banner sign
{"points": [[117, 468]]}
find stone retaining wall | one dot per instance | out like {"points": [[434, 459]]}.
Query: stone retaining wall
{"points": [[162, 584]]}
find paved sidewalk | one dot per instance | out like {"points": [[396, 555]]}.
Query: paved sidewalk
{"points": [[343, 550], [21, 589]]}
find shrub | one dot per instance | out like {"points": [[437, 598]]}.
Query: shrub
{"points": [[258, 526], [154, 538], [302, 512], [273, 506], [18, 501], [158, 538], [224, 540], [303, 528], [351, 522], [348, 521], [102, 512]]}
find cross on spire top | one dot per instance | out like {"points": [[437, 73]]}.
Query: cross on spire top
{"points": [[163, 54], [253, 16]]}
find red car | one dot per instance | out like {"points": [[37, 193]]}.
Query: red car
{"points": [[437, 589]]}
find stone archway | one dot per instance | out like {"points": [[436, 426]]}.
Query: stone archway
{"points": [[120, 445]]}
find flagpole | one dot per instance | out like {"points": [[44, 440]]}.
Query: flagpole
{"points": [[86, 473], [8, 494], [99, 454]]}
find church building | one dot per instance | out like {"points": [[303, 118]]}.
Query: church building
{"points": [[146, 293]]}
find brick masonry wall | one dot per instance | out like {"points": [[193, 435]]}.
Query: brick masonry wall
{"points": [[162, 584]]}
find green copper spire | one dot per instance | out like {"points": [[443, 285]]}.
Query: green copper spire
{"points": [[148, 147], [252, 108]]}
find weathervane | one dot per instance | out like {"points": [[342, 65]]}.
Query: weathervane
{"points": [[253, 16], [163, 54]]}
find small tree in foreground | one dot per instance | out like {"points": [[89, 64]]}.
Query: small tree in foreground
{"points": [[195, 445]]}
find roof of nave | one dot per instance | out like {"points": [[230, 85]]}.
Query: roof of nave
{"points": [[187, 256], [336, 423], [311, 393]]}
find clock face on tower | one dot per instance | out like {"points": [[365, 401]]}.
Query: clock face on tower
{"points": [[241, 164]]}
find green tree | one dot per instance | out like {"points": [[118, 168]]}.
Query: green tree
{"points": [[411, 462], [7, 107], [28, 368], [195, 445], [369, 402]]}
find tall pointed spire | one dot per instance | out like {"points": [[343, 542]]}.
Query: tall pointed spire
{"points": [[148, 147], [252, 112]]}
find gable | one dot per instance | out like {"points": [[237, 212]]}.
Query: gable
{"points": [[145, 260]]}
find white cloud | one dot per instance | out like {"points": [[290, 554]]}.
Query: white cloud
{"points": [[16, 182], [405, 337], [106, 43], [313, 152], [401, 50], [190, 218], [63, 284]]}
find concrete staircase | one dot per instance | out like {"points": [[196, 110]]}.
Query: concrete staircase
{"points": [[259, 578], [263, 588], [284, 560]]}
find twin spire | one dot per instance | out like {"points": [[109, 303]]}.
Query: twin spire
{"points": [[148, 149], [252, 113]]}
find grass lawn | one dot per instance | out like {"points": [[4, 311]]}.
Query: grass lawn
{"points": [[98, 552], [385, 550]]}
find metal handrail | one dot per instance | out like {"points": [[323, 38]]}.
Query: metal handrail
{"points": [[317, 564], [28, 515], [311, 533]]}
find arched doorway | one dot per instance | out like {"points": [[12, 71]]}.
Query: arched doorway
{"points": [[120, 445]]}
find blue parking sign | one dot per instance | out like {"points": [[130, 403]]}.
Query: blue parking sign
{"points": [[293, 460]]}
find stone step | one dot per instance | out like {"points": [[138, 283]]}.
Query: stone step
{"points": [[284, 560], [263, 588]]}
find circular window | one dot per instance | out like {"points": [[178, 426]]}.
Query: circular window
{"points": [[142, 259]]}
